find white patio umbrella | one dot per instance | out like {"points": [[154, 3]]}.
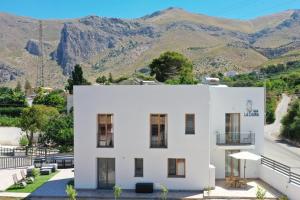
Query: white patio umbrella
{"points": [[245, 155]]}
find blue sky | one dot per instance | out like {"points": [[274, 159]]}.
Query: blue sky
{"points": [[57, 9]]}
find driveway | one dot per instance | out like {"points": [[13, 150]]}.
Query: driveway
{"points": [[277, 149], [56, 185]]}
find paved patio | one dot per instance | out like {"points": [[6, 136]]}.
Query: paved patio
{"points": [[6, 179], [223, 192]]}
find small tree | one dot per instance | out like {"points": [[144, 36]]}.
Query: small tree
{"points": [[76, 79], [71, 192], [27, 88], [101, 80], [117, 192], [172, 66], [164, 192], [110, 78], [260, 193], [18, 87], [34, 120]]}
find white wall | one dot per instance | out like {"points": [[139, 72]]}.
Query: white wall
{"points": [[233, 100], [10, 136], [132, 106], [280, 182]]}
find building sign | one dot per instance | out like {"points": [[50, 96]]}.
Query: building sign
{"points": [[250, 112]]}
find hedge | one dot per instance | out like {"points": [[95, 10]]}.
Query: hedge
{"points": [[11, 111]]}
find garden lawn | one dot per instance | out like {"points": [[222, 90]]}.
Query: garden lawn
{"points": [[38, 182]]}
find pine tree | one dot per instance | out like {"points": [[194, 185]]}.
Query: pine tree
{"points": [[18, 87], [28, 88]]}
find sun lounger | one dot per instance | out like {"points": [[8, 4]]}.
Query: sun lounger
{"points": [[19, 183]]}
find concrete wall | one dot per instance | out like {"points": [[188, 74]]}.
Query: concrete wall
{"points": [[10, 136], [280, 182], [233, 100], [132, 106]]}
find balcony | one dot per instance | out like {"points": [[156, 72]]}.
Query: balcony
{"points": [[235, 139]]}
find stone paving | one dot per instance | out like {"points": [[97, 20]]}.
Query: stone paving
{"points": [[221, 191]]}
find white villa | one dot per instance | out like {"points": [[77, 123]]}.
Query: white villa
{"points": [[178, 136]]}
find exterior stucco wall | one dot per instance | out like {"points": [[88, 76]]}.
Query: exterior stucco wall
{"points": [[132, 106], [233, 100]]}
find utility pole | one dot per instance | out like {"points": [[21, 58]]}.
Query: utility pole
{"points": [[40, 66]]}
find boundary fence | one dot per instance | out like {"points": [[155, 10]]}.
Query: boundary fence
{"points": [[281, 168]]}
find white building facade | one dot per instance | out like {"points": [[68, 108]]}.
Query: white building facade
{"points": [[176, 136]]}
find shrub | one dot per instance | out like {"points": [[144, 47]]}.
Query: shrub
{"points": [[35, 172], [164, 192], [260, 193], [284, 197], [9, 121], [71, 192], [23, 141], [117, 191]]}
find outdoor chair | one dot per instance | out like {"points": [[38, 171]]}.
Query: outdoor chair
{"points": [[243, 183], [25, 178], [19, 183]]}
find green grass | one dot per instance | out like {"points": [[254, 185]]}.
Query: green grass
{"points": [[38, 182]]}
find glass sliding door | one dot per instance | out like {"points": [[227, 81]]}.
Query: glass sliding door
{"points": [[232, 129], [106, 173], [232, 166]]}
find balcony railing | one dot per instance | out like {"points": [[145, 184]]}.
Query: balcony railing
{"points": [[234, 138], [158, 143]]}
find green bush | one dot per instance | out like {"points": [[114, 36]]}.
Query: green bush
{"points": [[260, 193], [9, 121], [164, 192], [71, 192], [291, 122], [10, 97], [35, 172], [23, 141], [117, 191]]}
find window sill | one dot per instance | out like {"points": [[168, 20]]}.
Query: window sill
{"points": [[105, 147], [161, 147], [189, 133], [175, 176]]}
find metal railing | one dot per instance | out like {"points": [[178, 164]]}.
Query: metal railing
{"points": [[62, 161], [14, 162], [281, 168], [27, 151], [235, 138], [158, 143]]}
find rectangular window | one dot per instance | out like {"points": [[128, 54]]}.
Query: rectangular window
{"points": [[176, 167], [138, 167], [105, 130], [190, 124], [158, 131]]}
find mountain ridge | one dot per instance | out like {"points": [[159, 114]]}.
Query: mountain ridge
{"points": [[122, 46]]}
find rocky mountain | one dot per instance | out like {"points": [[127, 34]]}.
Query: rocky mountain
{"points": [[122, 46]]}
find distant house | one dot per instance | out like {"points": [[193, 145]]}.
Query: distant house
{"points": [[178, 136], [231, 73]]}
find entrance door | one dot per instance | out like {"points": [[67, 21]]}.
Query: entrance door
{"points": [[106, 173], [232, 128], [232, 166]]}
